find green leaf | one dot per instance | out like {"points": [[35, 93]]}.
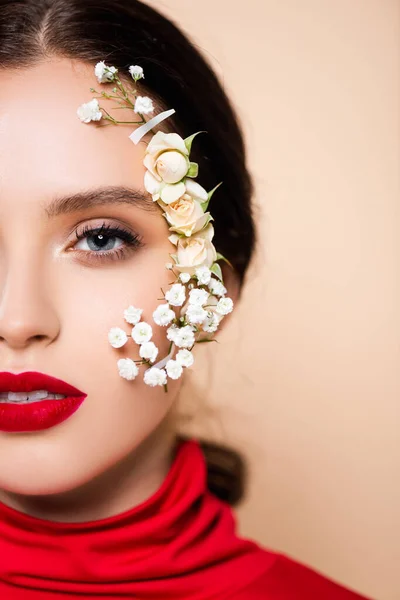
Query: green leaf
{"points": [[205, 204], [207, 340], [193, 170], [216, 269], [222, 257], [188, 141]]}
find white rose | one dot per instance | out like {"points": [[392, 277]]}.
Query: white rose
{"points": [[186, 215], [195, 251], [170, 169]]}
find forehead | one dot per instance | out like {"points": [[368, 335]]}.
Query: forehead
{"points": [[43, 144]]}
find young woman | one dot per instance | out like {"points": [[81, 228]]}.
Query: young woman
{"points": [[99, 497]]}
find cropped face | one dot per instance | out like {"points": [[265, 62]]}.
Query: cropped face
{"points": [[64, 285]]}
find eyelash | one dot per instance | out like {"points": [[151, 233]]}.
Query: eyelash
{"points": [[132, 241]]}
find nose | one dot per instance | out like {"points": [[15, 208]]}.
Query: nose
{"points": [[27, 314]]}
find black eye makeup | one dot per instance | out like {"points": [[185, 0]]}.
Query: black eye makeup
{"points": [[101, 245]]}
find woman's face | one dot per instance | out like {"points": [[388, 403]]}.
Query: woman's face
{"points": [[58, 299]]}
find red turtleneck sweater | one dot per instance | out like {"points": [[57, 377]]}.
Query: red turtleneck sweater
{"points": [[179, 544]]}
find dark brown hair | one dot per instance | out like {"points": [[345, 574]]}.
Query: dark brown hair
{"points": [[123, 33]]}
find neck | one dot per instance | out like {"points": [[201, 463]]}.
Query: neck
{"points": [[124, 486]]}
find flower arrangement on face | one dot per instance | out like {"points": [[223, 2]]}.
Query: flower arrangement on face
{"points": [[196, 301]]}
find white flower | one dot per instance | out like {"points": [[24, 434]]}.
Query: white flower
{"points": [[142, 332], [163, 315], [185, 358], [185, 215], [184, 277], [174, 369], [117, 337], [195, 251], [155, 376], [172, 333], [224, 306], [211, 323], [144, 105], [148, 351], [103, 73], [184, 337], [136, 72], [133, 315], [127, 368], [198, 297], [216, 287], [169, 266], [171, 166], [195, 314], [89, 111], [203, 275], [159, 144], [176, 294]]}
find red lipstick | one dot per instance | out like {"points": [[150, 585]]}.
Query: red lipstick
{"points": [[38, 414]]}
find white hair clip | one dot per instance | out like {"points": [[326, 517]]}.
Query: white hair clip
{"points": [[196, 300]]}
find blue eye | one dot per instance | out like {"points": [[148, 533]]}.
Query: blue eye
{"points": [[101, 242]]}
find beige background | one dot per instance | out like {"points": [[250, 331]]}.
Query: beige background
{"points": [[308, 381]]}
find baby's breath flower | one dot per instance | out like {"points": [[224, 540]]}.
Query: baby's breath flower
{"points": [[155, 376], [195, 314], [127, 368], [117, 337], [198, 297], [148, 351], [142, 332], [103, 73], [136, 72], [172, 333], [174, 369], [203, 275], [176, 295], [133, 315], [211, 323], [185, 358], [89, 111], [163, 315], [184, 337], [224, 306], [144, 105], [184, 277], [216, 287]]}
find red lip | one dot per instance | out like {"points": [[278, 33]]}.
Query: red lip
{"points": [[43, 413], [32, 380]]}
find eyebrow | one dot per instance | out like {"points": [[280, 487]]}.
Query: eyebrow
{"points": [[100, 196]]}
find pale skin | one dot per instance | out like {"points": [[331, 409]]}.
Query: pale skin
{"points": [[57, 304]]}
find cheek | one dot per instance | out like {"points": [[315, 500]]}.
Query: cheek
{"points": [[117, 415]]}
